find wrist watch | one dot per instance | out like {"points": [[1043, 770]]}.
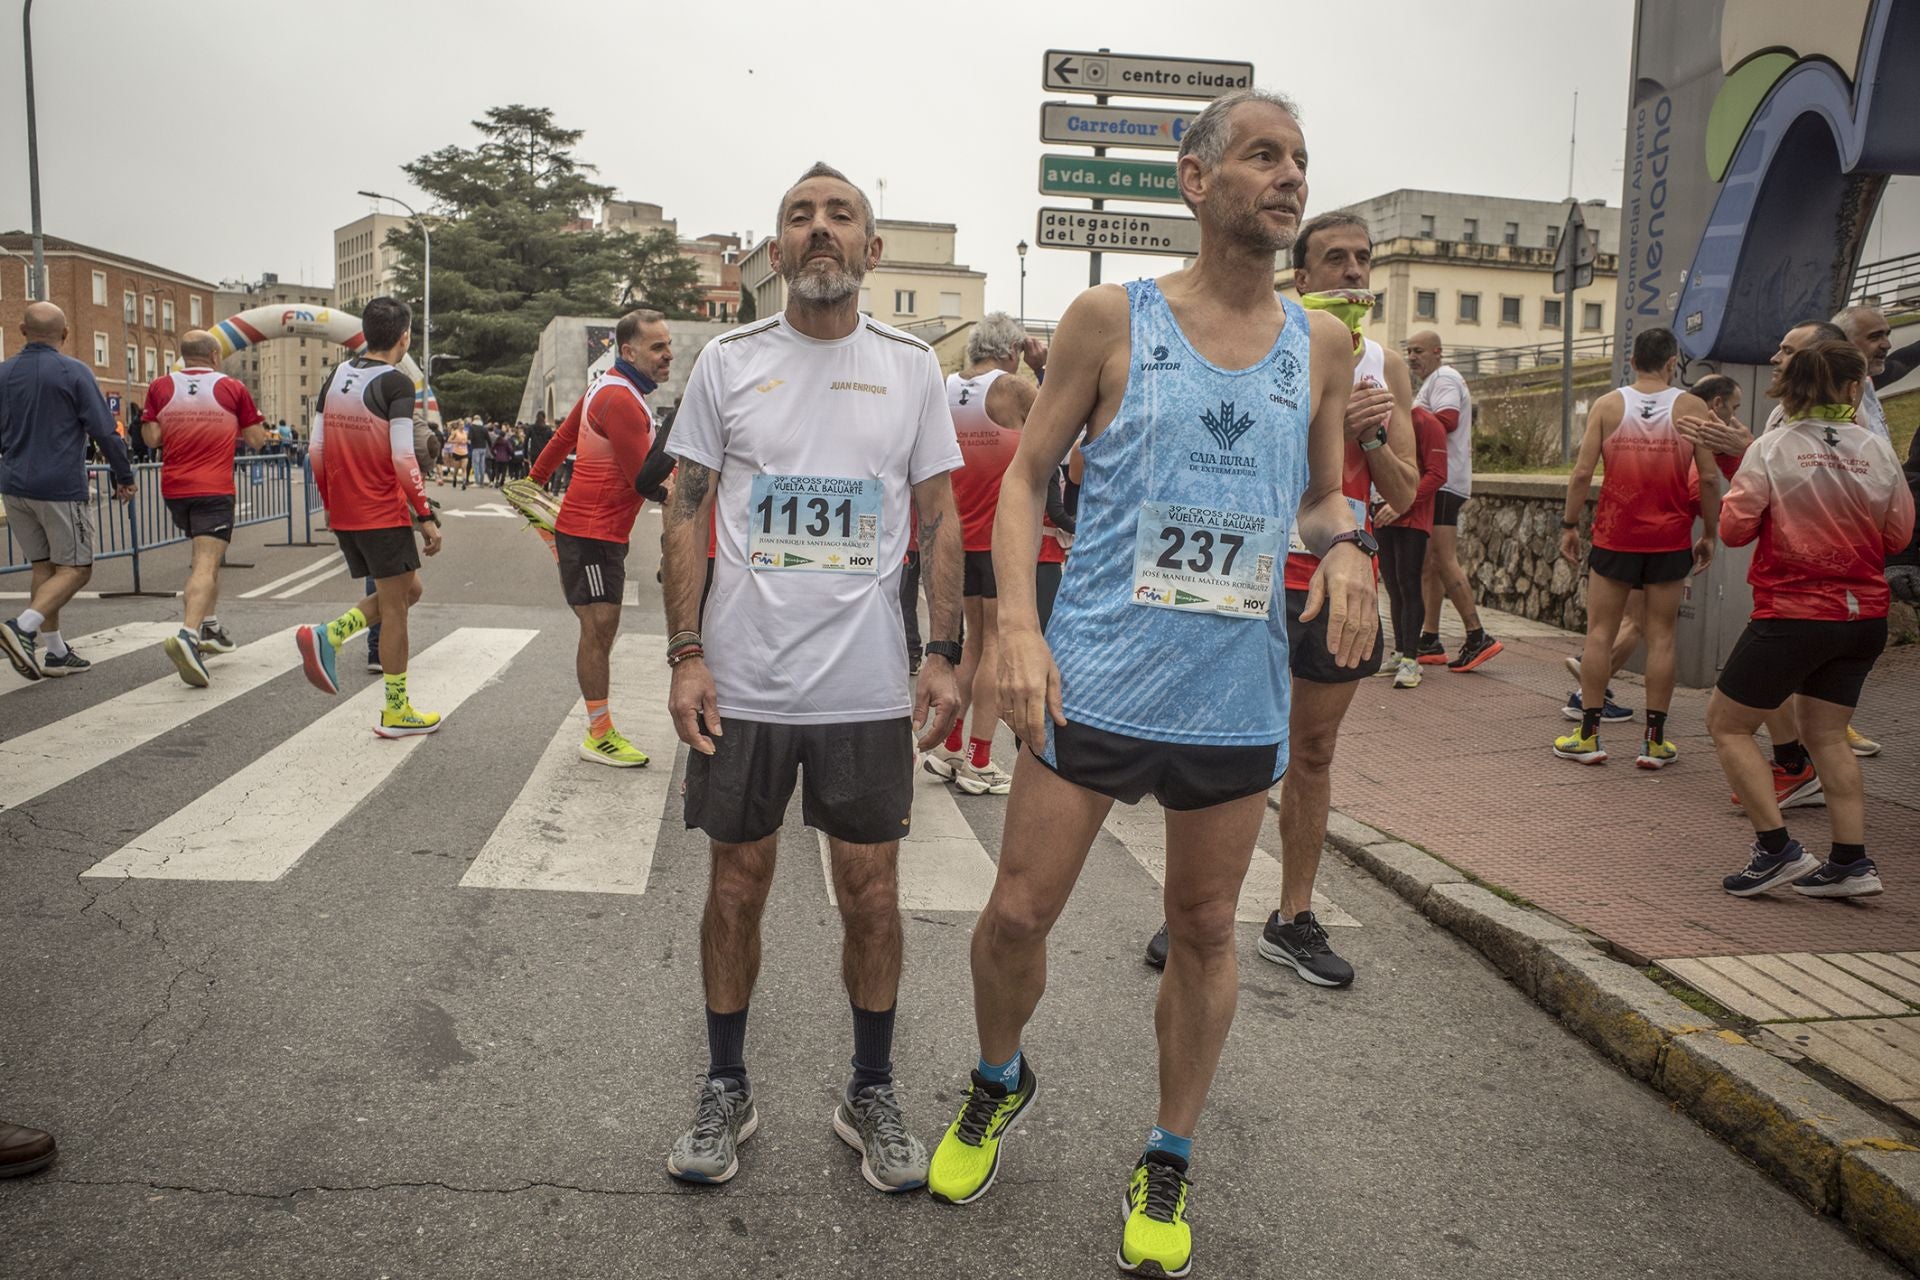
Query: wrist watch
{"points": [[948, 649], [1359, 538], [1379, 438]]}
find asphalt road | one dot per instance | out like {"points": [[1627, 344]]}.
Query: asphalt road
{"points": [[364, 1068]]}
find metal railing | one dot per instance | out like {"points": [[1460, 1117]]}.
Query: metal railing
{"points": [[264, 492], [1474, 362], [1892, 284]]}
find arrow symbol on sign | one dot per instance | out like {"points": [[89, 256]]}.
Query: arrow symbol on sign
{"points": [[1065, 69]]}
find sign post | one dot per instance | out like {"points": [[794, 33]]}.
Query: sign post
{"points": [[1572, 271]]}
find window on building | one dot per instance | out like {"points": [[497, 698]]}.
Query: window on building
{"points": [[303, 362], [1592, 315], [1379, 306], [166, 364], [195, 316], [1470, 232], [1553, 237], [303, 382], [133, 360], [166, 314], [903, 302], [1512, 233], [949, 304], [1509, 310], [99, 288], [100, 350], [1426, 225], [146, 311], [126, 306], [1469, 308], [1550, 313], [1426, 305], [152, 360]]}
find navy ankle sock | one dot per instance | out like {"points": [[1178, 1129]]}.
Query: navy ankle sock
{"points": [[872, 1049], [726, 1046], [1774, 841], [1846, 855]]}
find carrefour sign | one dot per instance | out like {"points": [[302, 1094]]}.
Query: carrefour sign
{"points": [[1151, 128]]}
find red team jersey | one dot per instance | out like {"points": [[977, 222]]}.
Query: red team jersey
{"points": [[987, 448], [201, 413], [1356, 479], [362, 448], [1650, 491], [609, 432], [1430, 451], [1828, 504]]}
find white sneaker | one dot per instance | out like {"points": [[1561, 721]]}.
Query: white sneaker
{"points": [[1388, 667], [1407, 674], [988, 780], [1573, 665], [942, 763]]}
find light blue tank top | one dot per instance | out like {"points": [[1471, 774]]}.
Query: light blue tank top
{"points": [[1188, 432]]}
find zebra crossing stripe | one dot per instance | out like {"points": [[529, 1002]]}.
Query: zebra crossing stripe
{"points": [[259, 822], [1142, 829], [37, 762], [582, 827], [311, 567], [943, 866], [102, 647]]}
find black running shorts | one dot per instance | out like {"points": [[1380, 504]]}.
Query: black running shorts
{"points": [[858, 780], [978, 579], [592, 570], [209, 516], [1641, 568], [379, 553], [1179, 775], [1775, 658], [1307, 655], [1446, 506]]}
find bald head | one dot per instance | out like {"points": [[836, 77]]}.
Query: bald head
{"points": [[199, 349], [1867, 329], [44, 322], [1423, 352]]}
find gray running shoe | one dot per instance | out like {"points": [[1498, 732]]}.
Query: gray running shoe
{"points": [[891, 1159], [184, 651], [723, 1119], [214, 638], [67, 664]]}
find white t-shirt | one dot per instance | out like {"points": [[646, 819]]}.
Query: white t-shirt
{"points": [[1445, 389], [807, 646]]}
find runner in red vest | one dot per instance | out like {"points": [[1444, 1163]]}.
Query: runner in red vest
{"points": [[197, 417]]}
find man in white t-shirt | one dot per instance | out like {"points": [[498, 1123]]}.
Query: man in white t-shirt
{"points": [[810, 439], [1443, 393]]}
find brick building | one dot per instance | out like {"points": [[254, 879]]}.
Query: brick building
{"points": [[124, 316], [284, 375]]}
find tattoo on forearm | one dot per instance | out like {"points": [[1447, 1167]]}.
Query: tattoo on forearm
{"points": [[690, 489], [930, 527]]}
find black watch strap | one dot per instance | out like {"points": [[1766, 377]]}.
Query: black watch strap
{"points": [[948, 649]]}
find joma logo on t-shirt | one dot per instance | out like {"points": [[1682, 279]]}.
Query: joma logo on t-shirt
{"points": [[867, 387]]}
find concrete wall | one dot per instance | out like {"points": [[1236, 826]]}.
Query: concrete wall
{"points": [[559, 373]]}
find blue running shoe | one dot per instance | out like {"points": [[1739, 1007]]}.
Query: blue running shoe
{"points": [[1609, 712], [1770, 870], [316, 656], [1841, 880]]}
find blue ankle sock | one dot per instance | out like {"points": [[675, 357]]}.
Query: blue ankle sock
{"points": [[1003, 1073], [1172, 1144]]}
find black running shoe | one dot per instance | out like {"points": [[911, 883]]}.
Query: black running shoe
{"points": [[1431, 653], [1157, 948], [1303, 944], [1474, 653], [1766, 870]]}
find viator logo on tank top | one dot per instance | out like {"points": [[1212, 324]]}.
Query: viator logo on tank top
{"points": [[1159, 363]]}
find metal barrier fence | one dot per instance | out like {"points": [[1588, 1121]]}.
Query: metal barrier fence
{"points": [[264, 491]]}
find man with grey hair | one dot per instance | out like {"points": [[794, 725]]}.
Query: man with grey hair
{"points": [[49, 406], [1213, 411], [1867, 329], [807, 439], [197, 417], [989, 406]]}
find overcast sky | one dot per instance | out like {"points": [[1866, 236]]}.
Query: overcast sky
{"points": [[711, 110]]}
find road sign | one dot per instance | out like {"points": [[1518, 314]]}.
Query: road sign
{"points": [[1105, 178], [1577, 250], [1135, 75], [1150, 128], [1104, 230]]}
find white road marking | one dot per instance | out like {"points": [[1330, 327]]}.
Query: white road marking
{"points": [[943, 866], [1142, 828], [37, 762], [259, 822], [630, 595], [313, 567], [581, 827], [103, 647], [301, 588]]}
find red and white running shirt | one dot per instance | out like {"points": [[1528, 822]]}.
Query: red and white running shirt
{"points": [[1356, 478], [987, 449], [1828, 504], [362, 448], [201, 413], [609, 431], [1644, 505]]}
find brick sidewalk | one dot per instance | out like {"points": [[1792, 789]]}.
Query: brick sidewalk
{"points": [[1463, 767]]}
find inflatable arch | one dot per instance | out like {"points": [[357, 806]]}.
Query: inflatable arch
{"points": [[292, 320]]}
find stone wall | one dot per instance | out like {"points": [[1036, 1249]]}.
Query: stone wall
{"points": [[1510, 548]]}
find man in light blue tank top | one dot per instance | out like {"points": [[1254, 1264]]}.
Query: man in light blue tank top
{"points": [[1213, 415]]}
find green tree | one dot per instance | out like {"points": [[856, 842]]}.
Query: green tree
{"points": [[510, 252], [748, 311], [660, 278]]}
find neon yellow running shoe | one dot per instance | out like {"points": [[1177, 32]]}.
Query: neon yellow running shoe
{"points": [[968, 1157], [614, 750], [1157, 1240], [1580, 749], [1657, 755], [539, 507], [406, 722]]}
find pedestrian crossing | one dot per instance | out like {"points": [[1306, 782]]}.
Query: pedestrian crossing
{"points": [[571, 826]]}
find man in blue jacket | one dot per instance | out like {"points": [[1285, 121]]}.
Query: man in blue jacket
{"points": [[49, 405]]}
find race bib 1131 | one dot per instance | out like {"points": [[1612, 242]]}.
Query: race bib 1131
{"points": [[825, 524]]}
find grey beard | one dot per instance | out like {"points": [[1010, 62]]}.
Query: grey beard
{"points": [[825, 288]]}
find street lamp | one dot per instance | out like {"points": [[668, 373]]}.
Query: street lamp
{"points": [[39, 289], [426, 288], [1021, 249]]}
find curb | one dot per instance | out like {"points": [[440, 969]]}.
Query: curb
{"points": [[1820, 1146]]}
